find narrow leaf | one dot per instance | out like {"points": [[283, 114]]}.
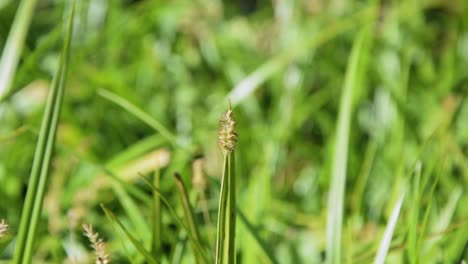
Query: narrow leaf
{"points": [[129, 235], [40, 169], [139, 113], [340, 154], [198, 247], [188, 212], [14, 46], [225, 241], [387, 237]]}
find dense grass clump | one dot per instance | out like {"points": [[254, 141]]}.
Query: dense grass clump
{"points": [[349, 144]]}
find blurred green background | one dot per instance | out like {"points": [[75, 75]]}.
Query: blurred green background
{"points": [[283, 65]]}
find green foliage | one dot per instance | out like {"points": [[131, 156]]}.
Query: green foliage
{"points": [[335, 103]]}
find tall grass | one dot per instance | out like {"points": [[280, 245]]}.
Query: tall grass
{"points": [[40, 169]]}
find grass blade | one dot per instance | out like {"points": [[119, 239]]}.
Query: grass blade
{"points": [[129, 235], [14, 45], [225, 241], [413, 254], [198, 247], [39, 173], [188, 211], [156, 221], [140, 114], [340, 155], [387, 237]]}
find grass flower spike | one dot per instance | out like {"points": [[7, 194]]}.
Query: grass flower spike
{"points": [[4, 227], [97, 244], [227, 131], [226, 229]]}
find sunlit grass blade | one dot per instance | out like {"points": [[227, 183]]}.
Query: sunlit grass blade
{"points": [[156, 221], [188, 212], [40, 169], [129, 235], [387, 237], [139, 113], [179, 221], [14, 45], [352, 80]]}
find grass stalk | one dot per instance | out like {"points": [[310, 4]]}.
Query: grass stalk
{"points": [[139, 246], [139, 113], [188, 211], [40, 168], [387, 237], [226, 228]]}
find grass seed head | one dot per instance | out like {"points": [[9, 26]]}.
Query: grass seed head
{"points": [[227, 132], [4, 227], [97, 244]]}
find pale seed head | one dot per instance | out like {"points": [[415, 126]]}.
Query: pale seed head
{"points": [[4, 227], [227, 132]]}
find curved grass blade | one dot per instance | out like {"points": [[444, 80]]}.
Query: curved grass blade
{"points": [[198, 247], [140, 114], [352, 80], [387, 237], [40, 169], [129, 235], [14, 45], [188, 211]]}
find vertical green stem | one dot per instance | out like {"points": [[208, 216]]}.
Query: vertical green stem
{"points": [[156, 228], [225, 242]]}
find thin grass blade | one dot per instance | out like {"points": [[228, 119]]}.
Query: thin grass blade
{"points": [[156, 217], [14, 46], [225, 242], [340, 155], [188, 212], [413, 254], [198, 247], [387, 237], [40, 169], [129, 235], [139, 113]]}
